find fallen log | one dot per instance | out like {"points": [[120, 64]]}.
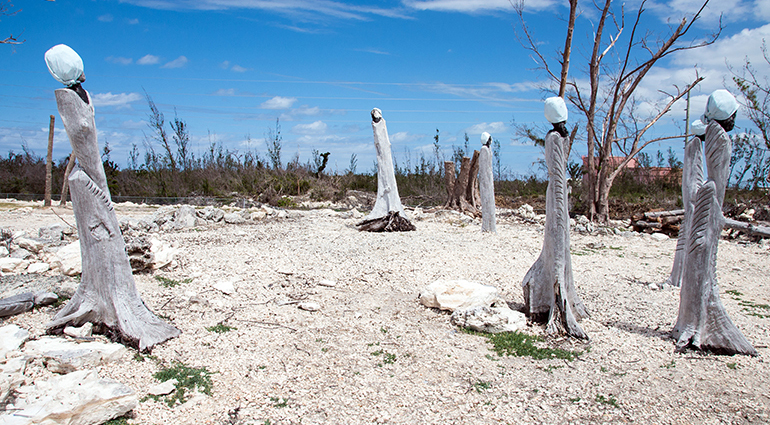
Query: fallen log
{"points": [[748, 228]]}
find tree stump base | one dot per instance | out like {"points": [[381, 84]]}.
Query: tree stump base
{"points": [[392, 222]]}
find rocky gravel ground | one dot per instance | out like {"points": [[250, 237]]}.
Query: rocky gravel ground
{"points": [[371, 353]]}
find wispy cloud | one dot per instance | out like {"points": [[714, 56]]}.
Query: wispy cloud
{"points": [[132, 21], [238, 68], [485, 91], [119, 60], [278, 102], [302, 9], [492, 128], [474, 6], [224, 92], [148, 60], [375, 51], [119, 100], [176, 63], [105, 18]]}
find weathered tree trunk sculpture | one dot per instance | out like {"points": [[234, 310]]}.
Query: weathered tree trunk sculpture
{"points": [[107, 295], [549, 287], [703, 322], [692, 180], [388, 213], [487, 188]]}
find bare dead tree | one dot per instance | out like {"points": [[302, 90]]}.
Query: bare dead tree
{"points": [[6, 10], [608, 102]]}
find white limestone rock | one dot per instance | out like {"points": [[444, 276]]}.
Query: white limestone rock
{"points": [[79, 332], [258, 215], [660, 237], [29, 244], [12, 265], [163, 388], [163, 253], [63, 356], [310, 306], [11, 338], [458, 294], [37, 268], [184, 217], [11, 375], [328, 283], [489, 319], [233, 218], [69, 260], [77, 398], [225, 286]]}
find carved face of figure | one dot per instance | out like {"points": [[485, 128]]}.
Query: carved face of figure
{"points": [[729, 123], [376, 115]]}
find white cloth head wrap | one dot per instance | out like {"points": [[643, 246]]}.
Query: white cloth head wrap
{"points": [[555, 110], [485, 137], [64, 64], [720, 106], [698, 128]]}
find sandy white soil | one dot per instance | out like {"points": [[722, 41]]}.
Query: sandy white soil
{"points": [[286, 365]]}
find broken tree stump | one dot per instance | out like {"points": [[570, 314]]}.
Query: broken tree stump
{"points": [[463, 196]]}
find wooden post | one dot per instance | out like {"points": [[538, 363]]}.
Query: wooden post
{"points": [[65, 186], [48, 159]]}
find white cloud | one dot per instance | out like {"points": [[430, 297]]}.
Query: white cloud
{"points": [[492, 128], [132, 21], [148, 60], [474, 6], [176, 63], [374, 51], [405, 137], [315, 128], [486, 91], [727, 11], [224, 92], [105, 18], [278, 102], [119, 60], [303, 9], [224, 65], [238, 68], [120, 100], [306, 110]]}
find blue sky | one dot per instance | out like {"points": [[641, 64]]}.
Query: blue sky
{"points": [[230, 68]]}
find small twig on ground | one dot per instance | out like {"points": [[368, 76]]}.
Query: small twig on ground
{"points": [[60, 218], [259, 322]]}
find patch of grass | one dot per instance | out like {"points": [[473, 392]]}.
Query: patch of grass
{"points": [[117, 421], [170, 283], [286, 202], [574, 400], [610, 401], [732, 366], [753, 309], [221, 328], [670, 365], [734, 293], [279, 402], [188, 379], [550, 368], [383, 329], [480, 386], [518, 344], [387, 358]]}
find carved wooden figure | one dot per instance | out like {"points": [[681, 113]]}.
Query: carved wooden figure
{"points": [[703, 322], [388, 213], [692, 179], [549, 288], [487, 186], [107, 294]]}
